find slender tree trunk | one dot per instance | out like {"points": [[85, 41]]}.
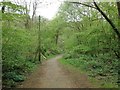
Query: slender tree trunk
{"points": [[56, 37], [39, 39], [108, 20], [118, 6]]}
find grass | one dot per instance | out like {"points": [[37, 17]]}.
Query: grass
{"points": [[81, 66]]}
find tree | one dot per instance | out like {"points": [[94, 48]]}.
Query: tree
{"points": [[104, 15], [118, 6]]}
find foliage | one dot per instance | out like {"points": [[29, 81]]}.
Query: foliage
{"points": [[81, 33], [92, 45], [18, 45], [96, 69]]}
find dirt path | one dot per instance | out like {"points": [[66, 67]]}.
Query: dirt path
{"points": [[51, 74]]}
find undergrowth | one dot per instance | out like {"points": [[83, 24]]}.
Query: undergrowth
{"points": [[98, 72]]}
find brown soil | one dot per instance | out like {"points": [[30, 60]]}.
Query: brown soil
{"points": [[52, 74]]}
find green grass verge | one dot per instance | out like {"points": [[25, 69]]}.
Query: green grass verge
{"points": [[80, 65]]}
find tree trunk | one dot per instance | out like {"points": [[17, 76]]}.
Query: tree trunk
{"points": [[56, 37], [39, 40], [118, 7], [108, 20]]}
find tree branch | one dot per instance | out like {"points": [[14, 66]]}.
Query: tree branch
{"points": [[103, 14], [83, 4], [108, 20]]}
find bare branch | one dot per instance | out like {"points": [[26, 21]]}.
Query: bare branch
{"points": [[83, 4]]}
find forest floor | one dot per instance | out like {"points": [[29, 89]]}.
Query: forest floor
{"points": [[52, 74]]}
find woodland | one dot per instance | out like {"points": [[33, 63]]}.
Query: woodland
{"points": [[86, 33]]}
